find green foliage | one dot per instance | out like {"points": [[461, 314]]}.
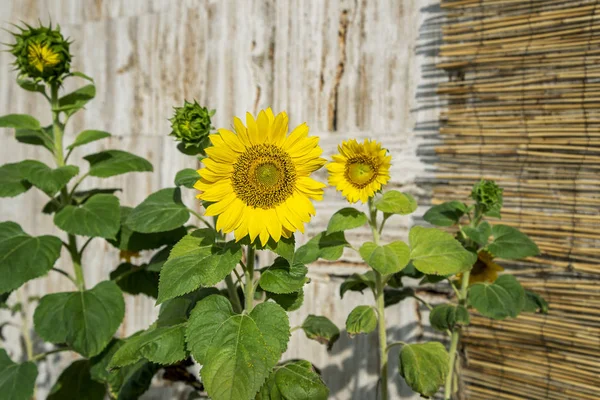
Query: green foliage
{"points": [[479, 235], [98, 217], [395, 202], [511, 244], [395, 296], [345, 219], [387, 259], [76, 383], [134, 279], [358, 283], [447, 316], [445, 214], [20, 121], [116, 162], [499, 300], [237, 351], [191, 126], [161, 211], [328, 247], [424, 366], [38, 137], [286, 247], [321, 329], [18, 177], [88, 136], [187, 178], [435, 252], [362, 319], [12, 182], [196, 260], [535, 303], [288, 301], [293, 380], [283, 278], [76, 100], [488, 197], [17, 381], [24, 257], [85, 320]]}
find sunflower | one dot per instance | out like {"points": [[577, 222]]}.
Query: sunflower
{"points": [[484, 269], [258, 178], [359, 170]]}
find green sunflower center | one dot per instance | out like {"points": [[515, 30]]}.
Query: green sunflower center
{"points": [[264, 176], [360, 171]]}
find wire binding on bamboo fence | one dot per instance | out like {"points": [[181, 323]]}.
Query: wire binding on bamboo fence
{"points": [[523, 108]]}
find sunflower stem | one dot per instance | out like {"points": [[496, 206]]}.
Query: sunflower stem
{"points": [[249, 292], [233, 295]]}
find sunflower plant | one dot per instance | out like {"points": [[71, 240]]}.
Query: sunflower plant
{"points": [[463, 260]]}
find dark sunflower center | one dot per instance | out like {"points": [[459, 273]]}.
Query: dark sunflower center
{"points": [[360, 171], [264, 176]]}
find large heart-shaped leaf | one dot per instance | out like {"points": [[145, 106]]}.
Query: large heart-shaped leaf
{"points": [[76, 383], [387, 259], [328, 247], [281, 277], [24, 257], [88, 136], [197, 261], [17, 381], [499, 300], [363, 319], [294, 380], [237, 351], [116, 162], [162, 345], [98, 217], [447, 316], [161, 211], [85, 320], [321, 329], [445, 214], [395, 202], [345, 219], [511, 244], [12, 182], [49, 180], [424, 366], [435, 252]]}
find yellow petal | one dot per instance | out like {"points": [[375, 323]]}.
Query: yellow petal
{"points": [[219, 207], [273, 224], [252, 129], [241, 131], [232, 141]]}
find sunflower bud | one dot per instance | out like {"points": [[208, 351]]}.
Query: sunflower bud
{"points": [[488, 196], [191, 126], [42, 54]]}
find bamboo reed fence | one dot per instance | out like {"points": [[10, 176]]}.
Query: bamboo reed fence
{"points": [[523, 108]]}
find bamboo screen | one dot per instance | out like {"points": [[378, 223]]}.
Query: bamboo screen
{"points": [[523, 108]]}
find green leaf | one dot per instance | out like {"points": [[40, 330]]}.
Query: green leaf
{"points": [[132, 381], [76, 383], [424, 366], [499, 300], [281, 277], [85, 320], [362, 319], [19, 121], [511, 244], [31, 86], [38, 137], [395, 202], [387, 259], [294, 380], [177, 310], [197, 261], [395, 296], [479, 235], [321, 329], [82, 75], [435, 252], [98, 217], [447, 316], [534, 303], [116, 162], [285, 247], [328, 247], [288, 301], [76, 100], [88, 136], [237, 351], [135, 279], [99, 363], [345, 219], [445, 214], [12, 182], [163, 345], [48, 180], [17, 381], [358, 283], [161, 211], [187, 177], [24, 257]]}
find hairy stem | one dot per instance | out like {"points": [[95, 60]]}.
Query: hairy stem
{"points": [[249, 292], [57, 127], [233, 294], [76, 257], [41, 356]]}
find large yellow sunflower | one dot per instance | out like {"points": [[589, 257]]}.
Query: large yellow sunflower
{"points": [[359, 170], [258, 178]]}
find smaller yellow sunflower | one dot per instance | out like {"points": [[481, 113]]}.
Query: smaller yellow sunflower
{"points": [[484, 269], [42, 56], [359, 170]]}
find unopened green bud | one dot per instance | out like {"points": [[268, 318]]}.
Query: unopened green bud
{"points": [[191, 126], [488, 196], [42, 54]]}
